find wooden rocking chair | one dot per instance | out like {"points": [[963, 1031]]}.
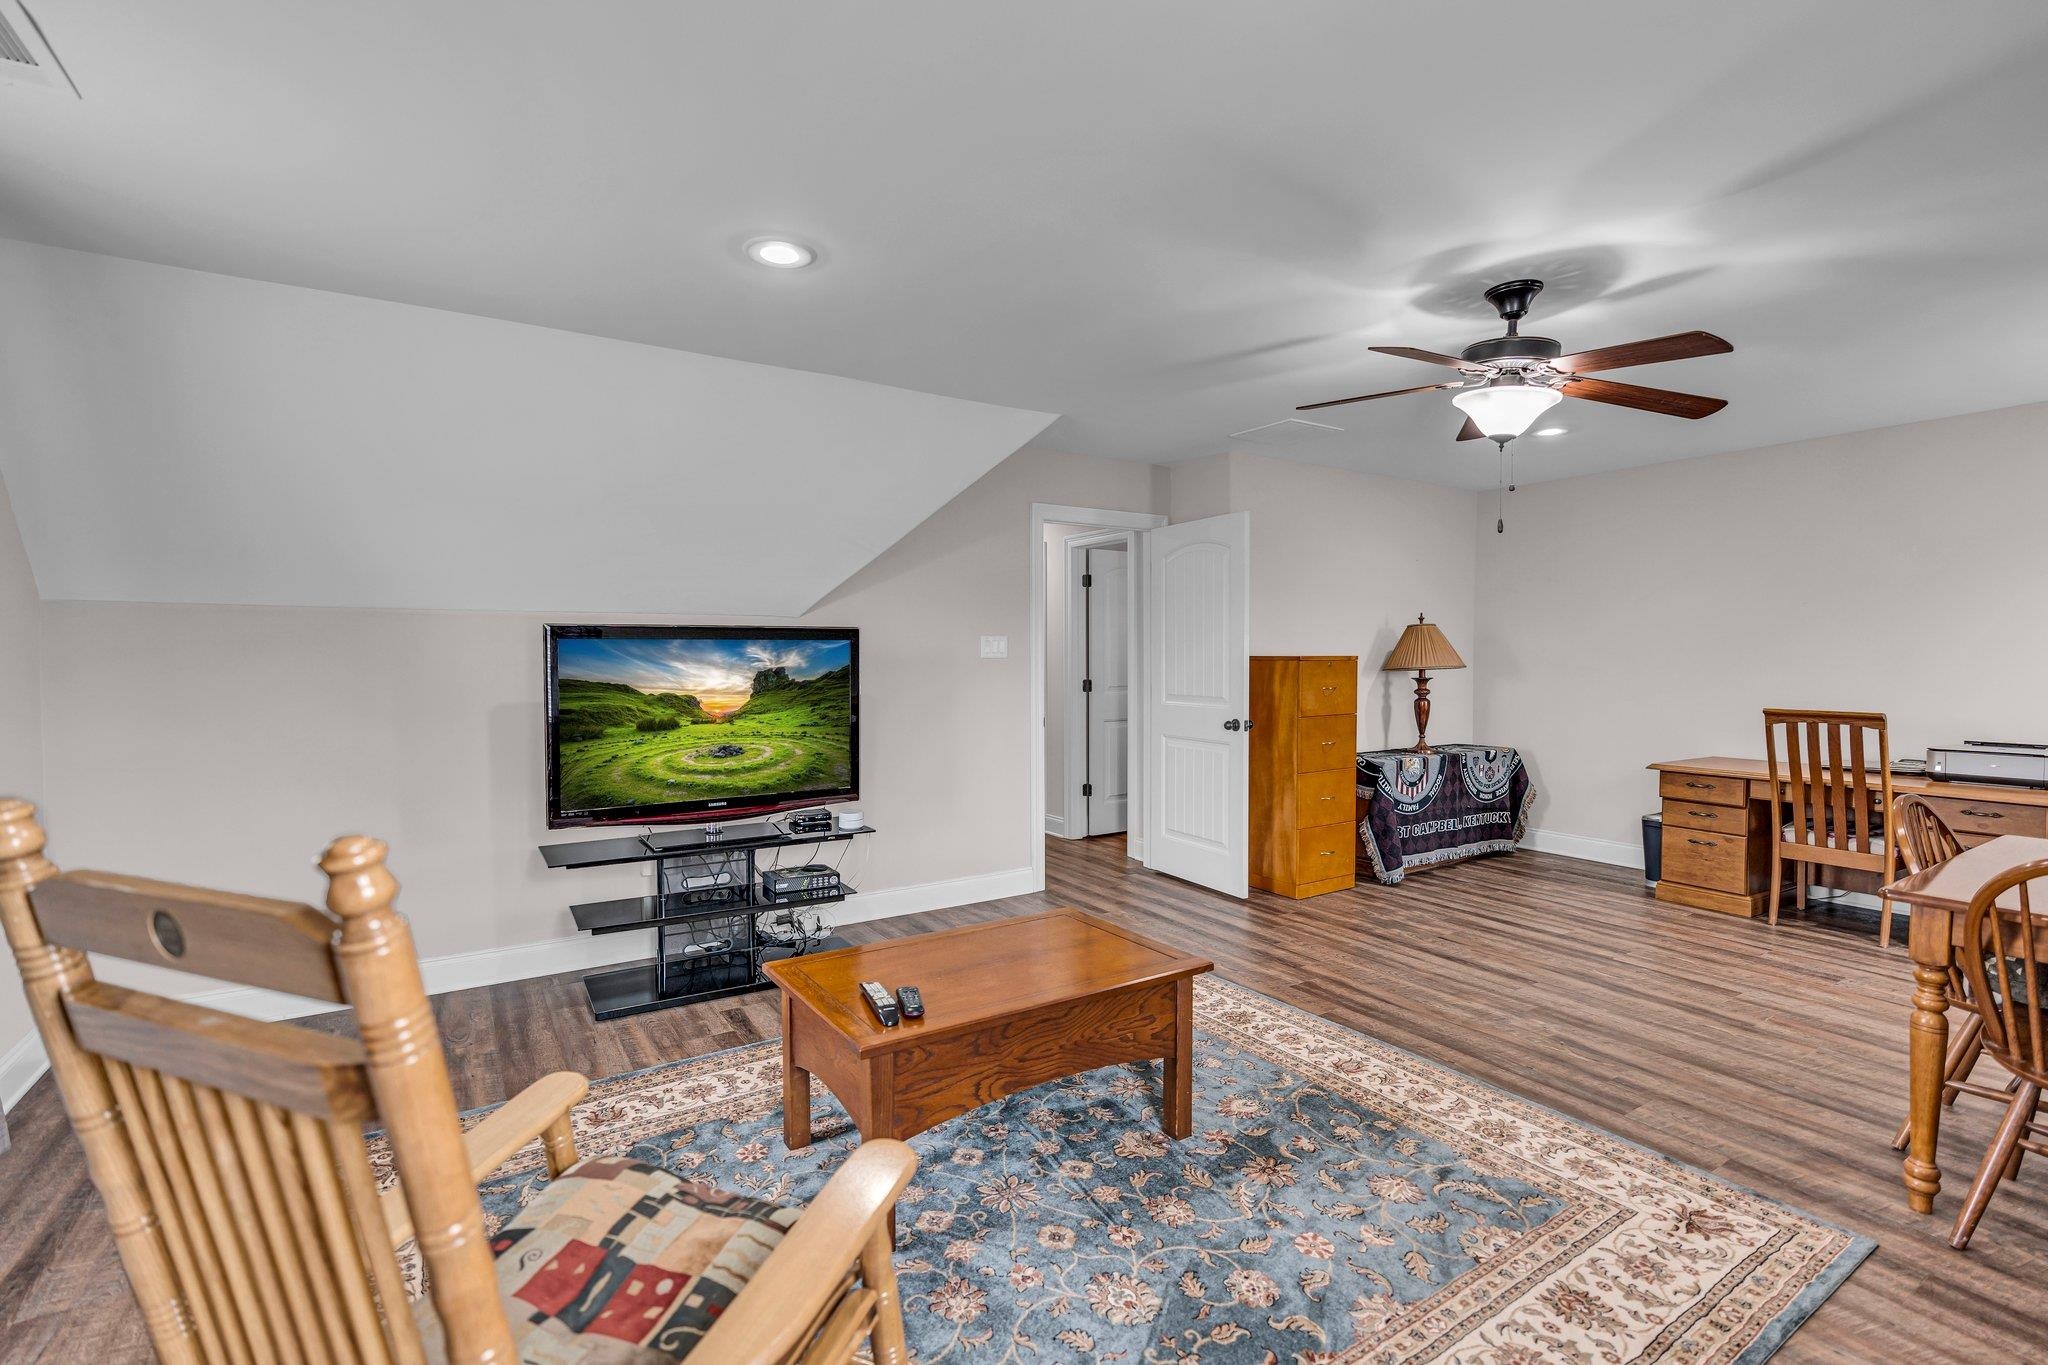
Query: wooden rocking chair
{"points": [[230, 1155]]}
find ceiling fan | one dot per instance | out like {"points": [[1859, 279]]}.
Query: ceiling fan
{"points": [[1509, 381]]}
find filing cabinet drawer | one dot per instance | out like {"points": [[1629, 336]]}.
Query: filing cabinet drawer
{"points": [[1326, 797], [1326, 851], [1703, 790], [1701, 815], [1329, 687], [1325, 742], [1695, 857]]}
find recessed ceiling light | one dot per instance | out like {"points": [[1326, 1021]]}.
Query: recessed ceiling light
{"points": [[1552, 431], [780, 252]]}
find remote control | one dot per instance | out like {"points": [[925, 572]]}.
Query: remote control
{"points": [[911, 1002], [880, 1002]]}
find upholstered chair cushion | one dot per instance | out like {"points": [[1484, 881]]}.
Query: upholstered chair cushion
{"points": [[617, 1262]]}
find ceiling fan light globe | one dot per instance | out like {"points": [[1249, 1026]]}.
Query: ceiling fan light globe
{"points": [[1505, 411]]}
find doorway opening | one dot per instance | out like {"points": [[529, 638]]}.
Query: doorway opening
{"points": [[1091, 612], [1086, 706]]}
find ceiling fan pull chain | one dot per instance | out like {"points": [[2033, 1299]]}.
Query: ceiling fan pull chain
{"points": [[1500, 502]]}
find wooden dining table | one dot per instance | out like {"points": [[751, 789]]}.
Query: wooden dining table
{"points": [[1939, 899]]}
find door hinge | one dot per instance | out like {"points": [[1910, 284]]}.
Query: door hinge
{"points": [[1087, 684], [1087, 789], [1087, 580]]}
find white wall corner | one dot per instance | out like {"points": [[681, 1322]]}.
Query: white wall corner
{"points": [[1614, 852], [19, 1068]]}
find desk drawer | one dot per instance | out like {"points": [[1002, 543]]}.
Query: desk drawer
{"points": [[1989, 817], [1702, 815], [1325, 742], [1329, 687], [1694, 857], [1703, 790], [1326, 797]]}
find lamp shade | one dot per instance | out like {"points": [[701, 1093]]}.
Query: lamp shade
{"points": [[1421, 646], [1505, 411]]}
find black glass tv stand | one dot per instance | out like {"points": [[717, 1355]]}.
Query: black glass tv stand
{"points": [[706, 837], [707, 914]]}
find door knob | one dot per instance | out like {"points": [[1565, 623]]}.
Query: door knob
{"points": [[1233, 725]]}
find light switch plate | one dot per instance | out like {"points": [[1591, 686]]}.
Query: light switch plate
{"points": [[995, 646]]}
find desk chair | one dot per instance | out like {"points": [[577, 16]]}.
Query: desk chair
{"points": [[230, 1155], [2005, 948], [1821, 798], [1925, 840]]}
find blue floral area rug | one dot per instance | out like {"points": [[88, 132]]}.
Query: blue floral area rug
{"points": [[1339, 1201]]}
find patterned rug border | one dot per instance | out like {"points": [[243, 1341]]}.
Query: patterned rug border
{"points": [[1788, 1320], [1771, 1337]]}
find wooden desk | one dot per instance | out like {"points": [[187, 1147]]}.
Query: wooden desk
{"points": [[1717, 826], [1940, 899]]}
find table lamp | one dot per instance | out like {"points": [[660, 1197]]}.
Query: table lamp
{"points": [[1421, 647]]}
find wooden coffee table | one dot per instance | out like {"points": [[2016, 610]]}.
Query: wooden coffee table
{"points": [[1008, 1005]]}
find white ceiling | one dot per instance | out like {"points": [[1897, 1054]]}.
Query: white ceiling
{"points": [[172, 436], [1167, 220]]}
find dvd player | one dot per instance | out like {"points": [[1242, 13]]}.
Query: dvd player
{"points": [[1995, 761]]}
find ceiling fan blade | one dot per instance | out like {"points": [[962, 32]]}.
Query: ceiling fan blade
{"points": [[1390, 393], [1677, 346], [1649, 400], [1410, 353], [1470, 431]]}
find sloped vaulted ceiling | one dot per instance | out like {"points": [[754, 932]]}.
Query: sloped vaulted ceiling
{"points": [[174, 436]]}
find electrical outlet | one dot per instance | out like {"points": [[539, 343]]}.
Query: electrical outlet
{"points": [[995, 646]]}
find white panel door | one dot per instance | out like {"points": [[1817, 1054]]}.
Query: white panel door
{"points": [[1109, 694], [1197, 681]]}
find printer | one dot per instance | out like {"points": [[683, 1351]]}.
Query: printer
{"points": [[1985, 760]]}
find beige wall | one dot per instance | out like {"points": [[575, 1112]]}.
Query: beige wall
{"points": [[228, 744], [1341, 561], [1652, 613], [21, 738]]}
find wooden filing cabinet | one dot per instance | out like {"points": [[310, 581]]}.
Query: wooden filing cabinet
{"points": [[1304, 749]]}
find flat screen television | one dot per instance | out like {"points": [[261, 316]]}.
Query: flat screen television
{"points": [[665, 724]]}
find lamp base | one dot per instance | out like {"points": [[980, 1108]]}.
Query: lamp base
{"points": [[1421, 745]]}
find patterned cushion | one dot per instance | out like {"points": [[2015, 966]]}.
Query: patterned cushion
{"points": [[622, 1263]]}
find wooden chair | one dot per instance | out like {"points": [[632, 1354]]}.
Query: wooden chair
{"points": [[2005, 945], [1925, 840], [1821, 797], [230, 1152]]}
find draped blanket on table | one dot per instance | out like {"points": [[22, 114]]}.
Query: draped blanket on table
{"points": [[1459, 801]]}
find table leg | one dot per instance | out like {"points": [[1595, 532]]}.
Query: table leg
{"points": [[1178, 1073], [796, 1086], [1928, 1044]]}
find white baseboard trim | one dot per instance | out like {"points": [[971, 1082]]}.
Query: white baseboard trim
{"points": [[1056, 825], [24, 1062], [911, 900], [1614, 852]]}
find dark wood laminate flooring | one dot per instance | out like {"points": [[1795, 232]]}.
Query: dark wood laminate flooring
{"points": [[1775, 1059]]}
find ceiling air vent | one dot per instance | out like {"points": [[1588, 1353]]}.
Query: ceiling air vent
{"points": [[1288, 431], [25, 55]]}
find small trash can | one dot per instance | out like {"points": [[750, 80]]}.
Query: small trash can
{"points": [[1653, 848]]}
